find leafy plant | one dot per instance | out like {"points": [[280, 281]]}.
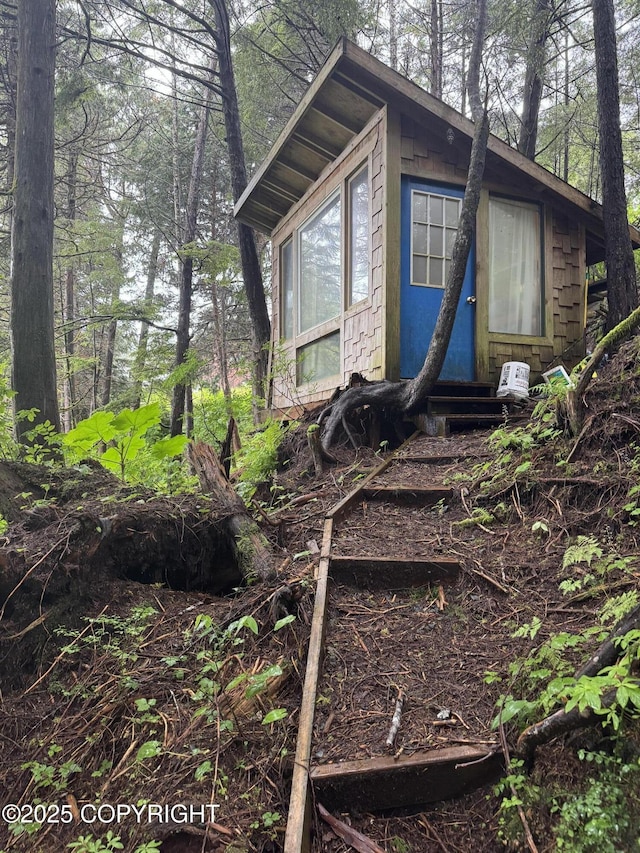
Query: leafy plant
{"points": [[117, 440]]}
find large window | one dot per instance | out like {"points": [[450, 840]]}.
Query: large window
{"points": [[324, 270], [515, 268]]}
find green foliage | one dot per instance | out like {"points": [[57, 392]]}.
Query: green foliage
{"points": [[258, 457], [118, 441], [587, 551], [604, 817], [211, 412]]}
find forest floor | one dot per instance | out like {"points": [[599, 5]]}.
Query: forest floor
{"points": [[120, 691]]}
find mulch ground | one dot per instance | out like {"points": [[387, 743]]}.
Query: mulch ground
{"points": [[151, 673]]}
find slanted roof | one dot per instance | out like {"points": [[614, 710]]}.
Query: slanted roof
{"points": [[349, 89]]}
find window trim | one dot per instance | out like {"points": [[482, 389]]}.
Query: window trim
{"points": [[429, 194]]}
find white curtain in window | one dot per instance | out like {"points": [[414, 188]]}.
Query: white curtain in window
{"points": [[515, 268]]}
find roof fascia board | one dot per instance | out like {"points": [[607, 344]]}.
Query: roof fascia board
{"points": [[327, 69]]}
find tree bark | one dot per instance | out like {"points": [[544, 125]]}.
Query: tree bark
{"points": [[251, 271], [622, 292], [69, 300], [32, 313], [536, 59], [143, 338], [408, 395], [183, 335], [435, 49]]}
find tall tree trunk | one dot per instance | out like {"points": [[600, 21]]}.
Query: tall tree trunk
{"points": [[621, 274], [69, 301], [536, 59], [251, 271], [189, 233], [143, 338], [393, 35], [112, 328], [32, 313], [435, 54]]}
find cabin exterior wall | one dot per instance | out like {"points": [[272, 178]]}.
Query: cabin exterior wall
{"points": [[360, 325]]}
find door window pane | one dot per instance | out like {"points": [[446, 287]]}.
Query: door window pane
{"points": [[320, 267], [319, 359], [286, 277], [434, 229], [359, 237], [515, 268]]}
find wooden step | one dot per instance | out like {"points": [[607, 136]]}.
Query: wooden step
{"points": [[416, 495], [373, 784], [466, 405], [464, 389], [392, 572]]}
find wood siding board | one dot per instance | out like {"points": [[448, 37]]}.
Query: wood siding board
{"points": [[391, 269]]}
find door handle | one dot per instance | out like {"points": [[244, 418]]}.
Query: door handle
{"points": [[471, 300]]}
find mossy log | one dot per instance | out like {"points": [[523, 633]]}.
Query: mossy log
{"points": [[253, 555]]}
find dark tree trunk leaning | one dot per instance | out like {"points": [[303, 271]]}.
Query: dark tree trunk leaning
{"points": [[406, 396], [621, 275], [32, 316], [251, 270]]}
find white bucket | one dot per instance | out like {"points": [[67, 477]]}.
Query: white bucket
{"points": [[514, 380]]}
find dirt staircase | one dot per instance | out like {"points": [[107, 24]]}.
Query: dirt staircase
{"points": [[409, 481]]}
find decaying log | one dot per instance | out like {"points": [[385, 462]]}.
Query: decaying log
{"points": [[253, 555]]}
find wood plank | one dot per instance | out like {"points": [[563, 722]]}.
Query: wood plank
{"points": [[297, 834], [392, 572], [373, 784], [423, 495]]}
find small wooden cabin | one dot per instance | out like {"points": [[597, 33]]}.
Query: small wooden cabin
{"points": [[361, 196]]}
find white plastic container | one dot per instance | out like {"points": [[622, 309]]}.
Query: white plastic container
{"points": [[514, 380]]}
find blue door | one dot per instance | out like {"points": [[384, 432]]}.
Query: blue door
{"points": [[429, 221]]}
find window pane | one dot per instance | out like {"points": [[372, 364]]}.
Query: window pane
{"points": [[419, 270], [515, 268], [359, 236], [420, 239], [419, 207], [286, 279], [435, 272], [320, 267], [452, 212], [436, 246], [319, 359], [435, 210]]}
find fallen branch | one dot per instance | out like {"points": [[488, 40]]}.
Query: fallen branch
{"points": [[356, 840], [395, 720]]}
